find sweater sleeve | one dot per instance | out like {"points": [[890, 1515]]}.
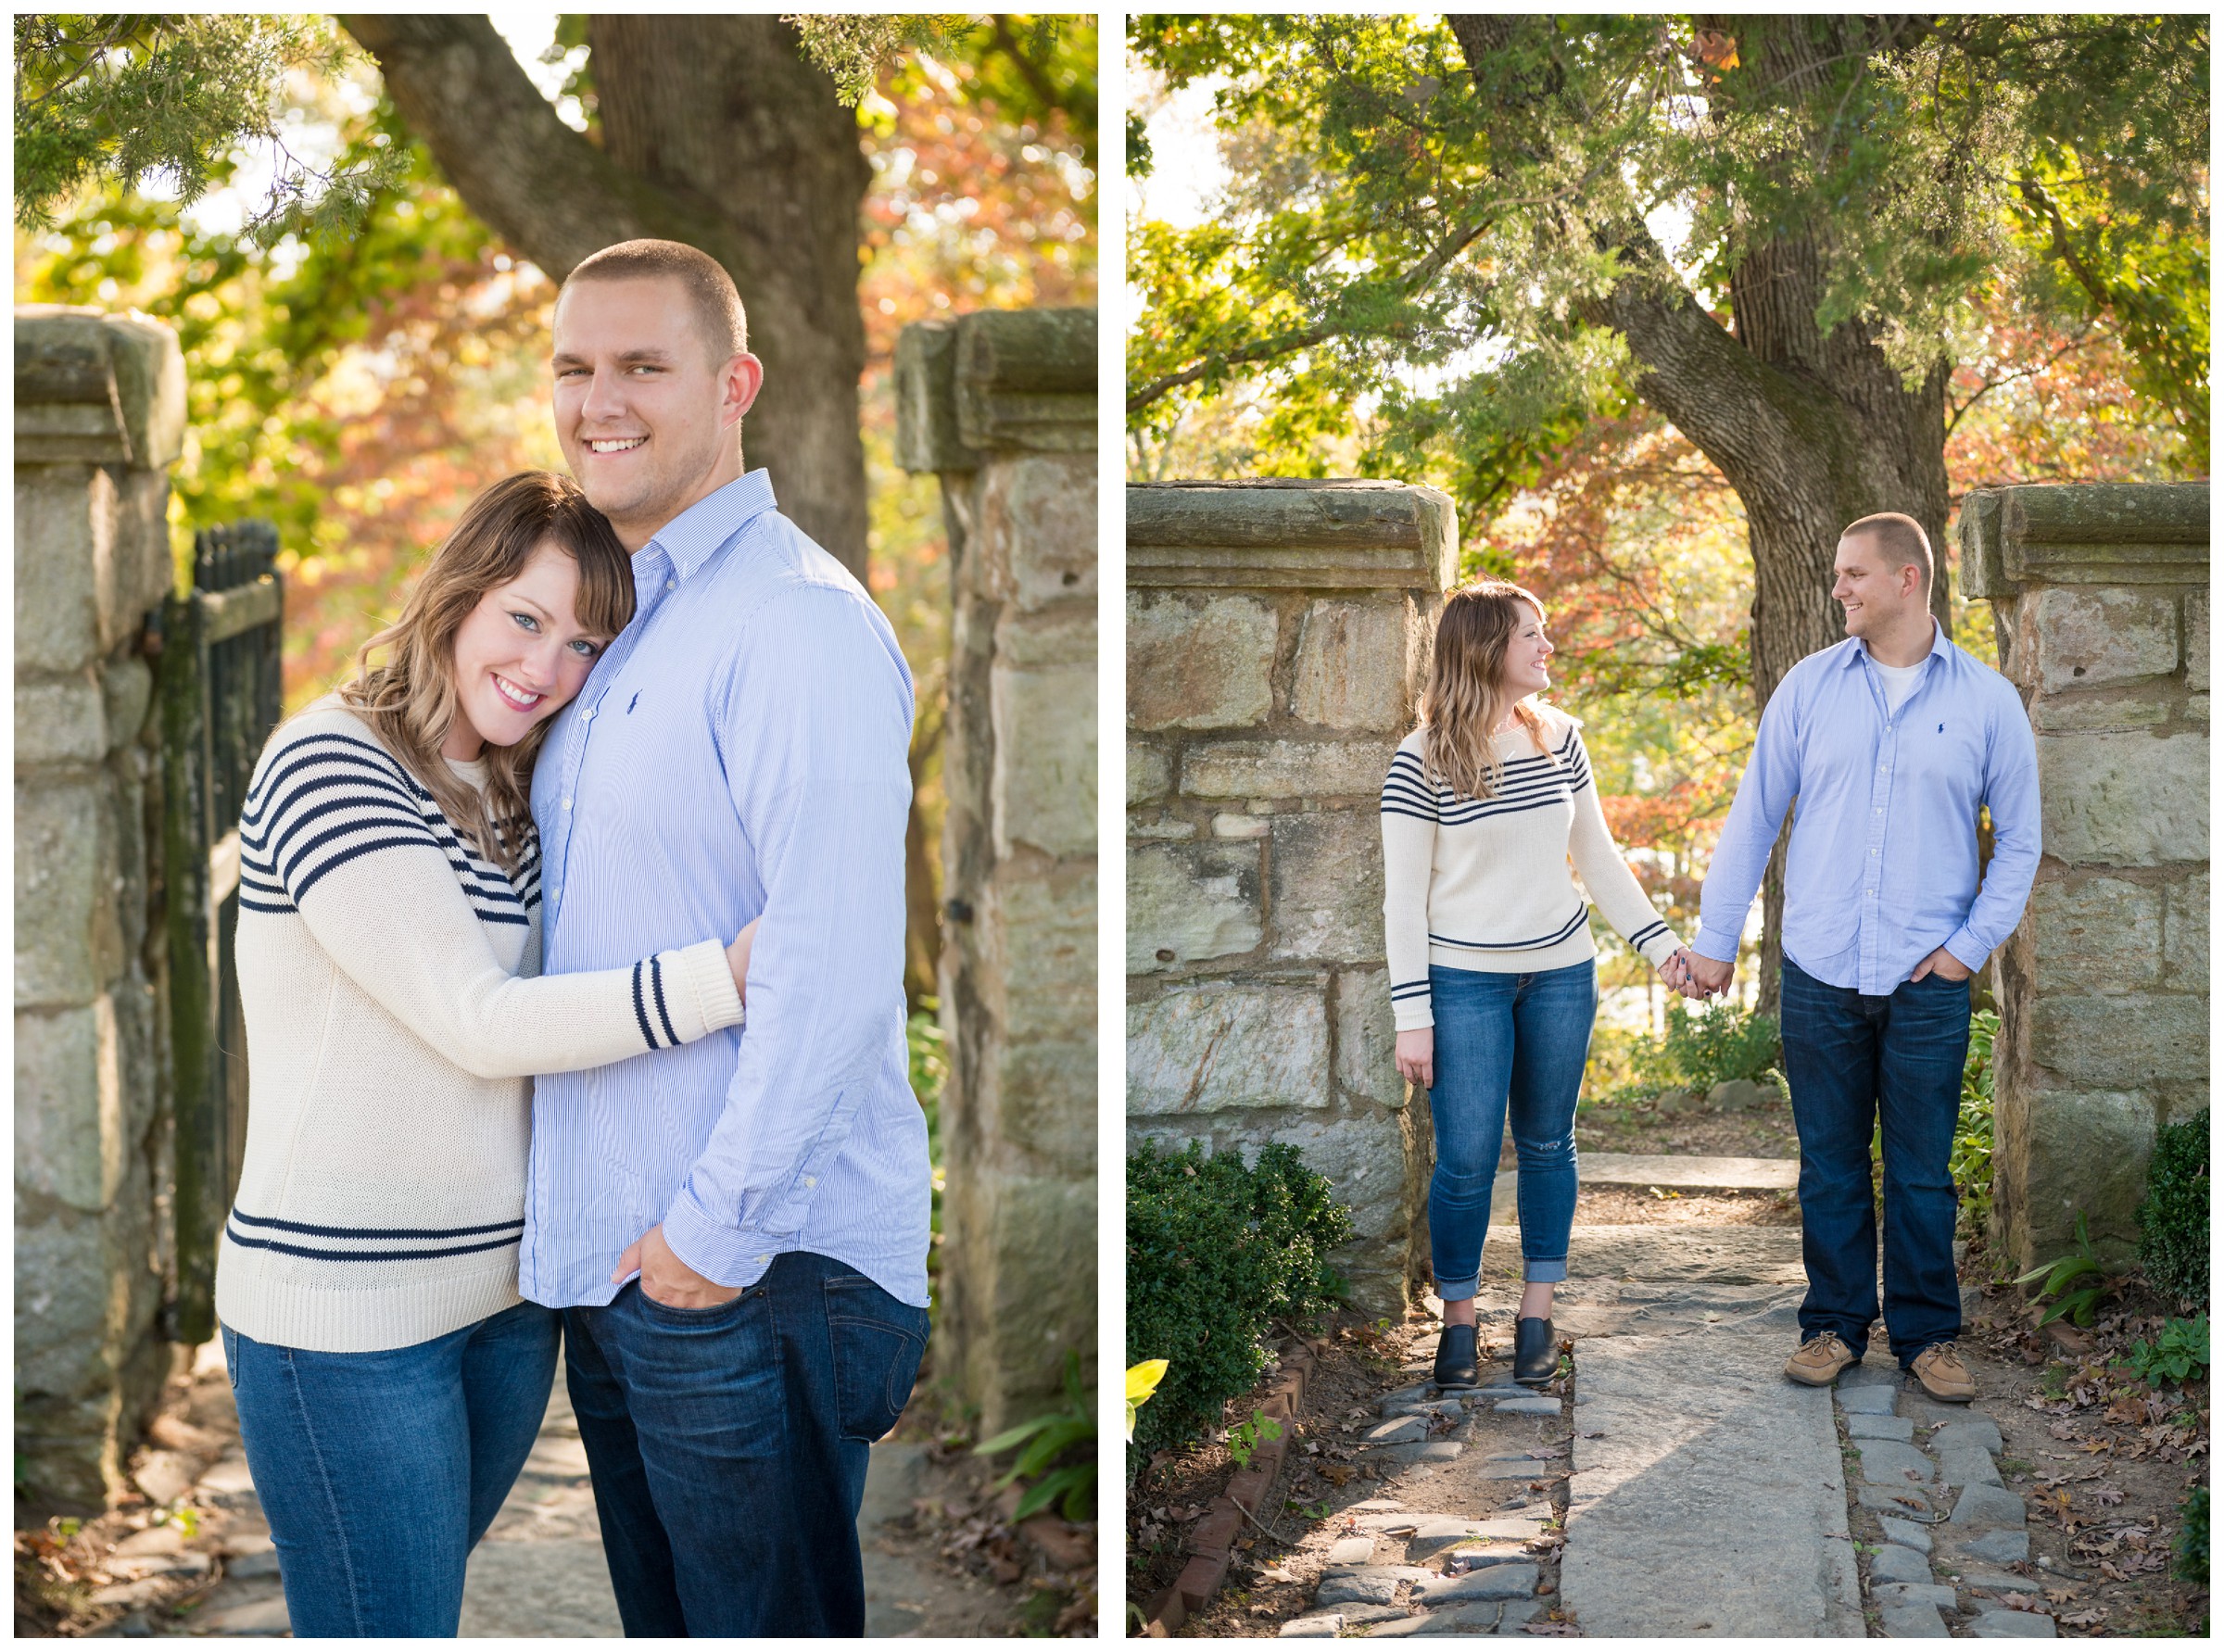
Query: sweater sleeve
{"points": [[1409, 857], [334, 830], [1605, 874]]}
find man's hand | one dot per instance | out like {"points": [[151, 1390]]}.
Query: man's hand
{"points": [[1946, 965], [1416, 1057], [665, 1278], [1713, 975]]}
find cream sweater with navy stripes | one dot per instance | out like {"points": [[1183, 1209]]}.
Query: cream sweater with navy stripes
{"points": [[394, 1014], [1483, 884]]}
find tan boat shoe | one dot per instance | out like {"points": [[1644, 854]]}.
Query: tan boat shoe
{"points": [[1939, 1368], [1819, 1360]]}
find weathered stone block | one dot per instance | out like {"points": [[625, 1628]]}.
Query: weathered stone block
{"points": [[2110, 1043], [1043, 783], [1362, 1154], [1191, 900], [127, 690], [71, 1135], [1352, 663], [1246, 827], [1037, 527], [1367, 1037], [2185, 933], [1150, 773], [1040, 957], [2196, 641], [1047, 1103], [63, 1297], [2137, 802], [2103, 933], [1311, 769], [2086, 636], [2084, 1151], [68, 944], [1028, 1302], [2132, 708], [1328, 886], [65, 522], [1199, 662], [1213, 1045], [60, 721]]}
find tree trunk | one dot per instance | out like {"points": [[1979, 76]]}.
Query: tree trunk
{"points": [[1812, 429], [715, 131]]}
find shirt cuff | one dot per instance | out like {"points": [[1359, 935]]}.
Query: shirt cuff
{"points": [[1716, 944], [1413, 1014], [1966, 952], [708, 999], [720, 1251]]}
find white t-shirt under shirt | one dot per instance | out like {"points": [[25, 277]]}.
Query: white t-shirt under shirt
{"points": [[1899, 682]]}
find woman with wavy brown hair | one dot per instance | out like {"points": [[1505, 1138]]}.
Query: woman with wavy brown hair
{"points": [[390, 1381], [1493, 975]]}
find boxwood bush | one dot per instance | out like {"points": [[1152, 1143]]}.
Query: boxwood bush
{"points": [[1217, 1251], [2173, 1219]]}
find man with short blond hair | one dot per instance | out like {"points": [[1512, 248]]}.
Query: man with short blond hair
{"points": [[1890, 742], [736, 1228]]}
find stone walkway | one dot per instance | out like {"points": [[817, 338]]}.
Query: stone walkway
{"points": [[1696, 1490]]}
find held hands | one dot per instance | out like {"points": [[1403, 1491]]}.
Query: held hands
{"points": [[1945, 963], [1416, 1057], [1697, 976], [736, 958], [665, 1277]]}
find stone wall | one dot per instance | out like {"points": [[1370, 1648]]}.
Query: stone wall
{"points": [[1003, 407], [100, 409], [2100, 599], [1278, 640]]}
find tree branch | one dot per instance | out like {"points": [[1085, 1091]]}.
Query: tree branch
{"points": [[539, 184]]}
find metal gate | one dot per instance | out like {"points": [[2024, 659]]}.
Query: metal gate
{"points": [[222, 694]]}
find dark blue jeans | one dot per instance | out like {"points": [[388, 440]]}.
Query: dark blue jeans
{"points": [[1855, 1062], [1508, 1049], [378, 1472], [728, 1446]]}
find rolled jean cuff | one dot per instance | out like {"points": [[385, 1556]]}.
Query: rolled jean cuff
{"points": [[1459, 1290], [1539, 1271]]}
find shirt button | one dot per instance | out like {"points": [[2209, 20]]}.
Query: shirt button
{"points": [[587, 716], [671, 585]]}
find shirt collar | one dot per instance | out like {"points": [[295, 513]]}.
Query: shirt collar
{"points": [[690, 537], [1941, 644]]}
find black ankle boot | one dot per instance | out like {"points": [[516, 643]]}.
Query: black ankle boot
{"points": [[1456, 1357], [1536, 1351]]}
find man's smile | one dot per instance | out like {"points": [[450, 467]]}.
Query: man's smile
{"points": [[613, 444]]}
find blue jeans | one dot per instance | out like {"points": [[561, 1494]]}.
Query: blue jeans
{"points": [[1508, 1048], [1854, 1062], [379, 1471], [728, 1446]]}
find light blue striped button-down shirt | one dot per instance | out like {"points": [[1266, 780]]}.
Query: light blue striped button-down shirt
{"points": [[738, 751], [1882, 867]]}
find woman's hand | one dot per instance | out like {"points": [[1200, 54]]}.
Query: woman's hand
{"points": [[1675, 972], [737, 957], [1416, 1057]]}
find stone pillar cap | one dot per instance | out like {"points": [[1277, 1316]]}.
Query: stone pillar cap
{"points": [[1292, 532], [999, 380], [97, 388], [2096, 533]]}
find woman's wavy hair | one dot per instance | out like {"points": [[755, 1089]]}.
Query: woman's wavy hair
{"points": [[1465, 699], [411, 700]]}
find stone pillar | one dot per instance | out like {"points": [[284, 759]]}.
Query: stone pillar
{"points": [[1278, 636], [2100, 599], [100, 414], [1002, 406]]}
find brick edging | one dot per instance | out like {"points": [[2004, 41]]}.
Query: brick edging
{"points": [[1212, 1541]]}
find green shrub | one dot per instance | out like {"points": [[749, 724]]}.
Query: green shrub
{"points": [[2192, 1536], [2177, 1354], [1217, 1251], [1971, 1162], [1722, 1042], [2173, 1219]]}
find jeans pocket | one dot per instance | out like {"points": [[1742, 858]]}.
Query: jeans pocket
{"points": [[877, 1343]]}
